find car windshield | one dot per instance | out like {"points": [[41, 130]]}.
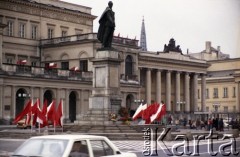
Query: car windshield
{"points": [[42, 147]]}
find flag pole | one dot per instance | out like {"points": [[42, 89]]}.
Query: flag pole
{"points": [[31, 120], [62, 115]]}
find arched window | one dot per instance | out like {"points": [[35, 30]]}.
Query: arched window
{"points": [[129, 66], [21, 98], [72, 106], [48, 95]]}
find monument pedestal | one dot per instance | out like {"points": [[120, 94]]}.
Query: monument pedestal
{"points": [[105, 98]]}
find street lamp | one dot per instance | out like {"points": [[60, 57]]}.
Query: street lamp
{"points": [[139, 101], [24, 95], [181, 103], [216, 106]]}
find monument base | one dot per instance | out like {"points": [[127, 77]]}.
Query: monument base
{"points": [[105, 98]]}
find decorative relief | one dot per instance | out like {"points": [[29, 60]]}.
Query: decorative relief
{"points": [[34, 10]]}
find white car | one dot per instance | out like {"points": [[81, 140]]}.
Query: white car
{"points": [[69, 146]]}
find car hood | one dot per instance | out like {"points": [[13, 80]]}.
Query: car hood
{"points": [[123, 155]]}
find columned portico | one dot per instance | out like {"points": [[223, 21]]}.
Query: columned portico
{"points": [[148, 86], [168, 91], [158, 86], [177, 92], [203, 93]]}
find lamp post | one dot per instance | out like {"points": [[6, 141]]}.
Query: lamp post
{"points": [[180, 105], [215, 107], [138, 101]]}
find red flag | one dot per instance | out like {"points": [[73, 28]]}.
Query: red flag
{"points": [[162, 113], [44, 110], [139, 111], [51, 112], [59, 114], [26, 110], [158, 114], [35, 109], [52, 65], [152, 109], [41, 118], [21, 62], [75, 69]]}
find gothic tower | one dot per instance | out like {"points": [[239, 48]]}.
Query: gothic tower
{"points": [[143, 40]]}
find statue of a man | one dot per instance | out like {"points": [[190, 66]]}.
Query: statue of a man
{"points": [[106, 27]]}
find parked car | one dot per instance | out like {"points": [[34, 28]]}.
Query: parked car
{"points": [[69, 146]]}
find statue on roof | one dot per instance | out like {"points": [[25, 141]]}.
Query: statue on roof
{"points": [[172, 47], [106, 27]]}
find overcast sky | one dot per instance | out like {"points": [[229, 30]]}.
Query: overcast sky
{"points": [[190, 22]]}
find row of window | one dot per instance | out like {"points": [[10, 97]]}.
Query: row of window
{"points": [[225, 109], [216, 93], [22, 28], [83, 64]]}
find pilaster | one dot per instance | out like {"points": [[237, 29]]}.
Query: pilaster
{"points": [[1, 101], [2, 26], [13, 105], [238, 97], [66, 105]]}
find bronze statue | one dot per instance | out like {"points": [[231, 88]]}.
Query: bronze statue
{"points": [[172, 47], [106, 27]]}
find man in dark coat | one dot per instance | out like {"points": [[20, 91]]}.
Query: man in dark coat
{"points": [[106, 27]]}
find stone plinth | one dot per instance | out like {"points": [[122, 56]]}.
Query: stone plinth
{"points": [[105, 97]]}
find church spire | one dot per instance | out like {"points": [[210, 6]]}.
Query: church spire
{"points": [[143, 40]]}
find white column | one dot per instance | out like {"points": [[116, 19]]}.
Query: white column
{"points": [[148, 86], [158, 87], [1, 102], [81, 105], [32, 95], [195, 88], [177, 91], [238, 97], [57, 96], [168, 91], [187, 92], [13, 105], [41, 94], [203, 93], [1, 44], [66, 105]]}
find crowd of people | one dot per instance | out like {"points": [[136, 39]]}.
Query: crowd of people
{"points": [[211, 123]]}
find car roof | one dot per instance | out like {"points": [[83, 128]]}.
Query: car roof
{"points": [[69, 137]]}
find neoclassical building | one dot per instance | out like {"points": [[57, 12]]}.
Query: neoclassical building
{"points": [[46, 52], [222, 82]]}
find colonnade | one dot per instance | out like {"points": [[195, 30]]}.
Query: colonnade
{"points": [[189, 85]]}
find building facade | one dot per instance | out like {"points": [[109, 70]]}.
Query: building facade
{"points": [[46, 52], [222, 83]]}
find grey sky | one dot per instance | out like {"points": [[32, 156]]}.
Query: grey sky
{"points": [[190, 22]]}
